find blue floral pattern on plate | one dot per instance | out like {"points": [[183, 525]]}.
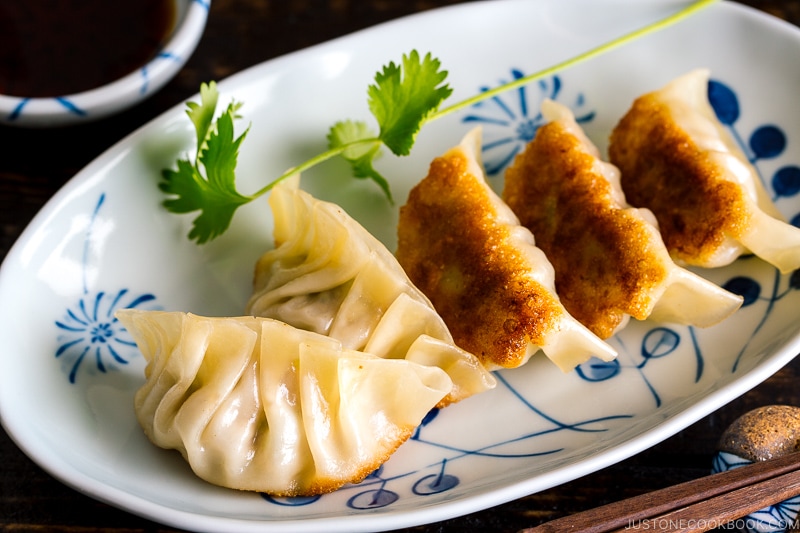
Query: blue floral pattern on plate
{"points": [[89, 328]]}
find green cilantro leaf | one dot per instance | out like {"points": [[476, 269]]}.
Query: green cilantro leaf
{"points": [[361, 148], [214, 194], [403, 98], [202, 114]]}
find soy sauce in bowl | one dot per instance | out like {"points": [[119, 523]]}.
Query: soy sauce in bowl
{"points": [[54, 47]]}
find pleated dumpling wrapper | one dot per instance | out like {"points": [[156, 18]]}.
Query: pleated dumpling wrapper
{"points": [[609, 259], [678, 160], [255, 404], [329, 275], [464, 248]]}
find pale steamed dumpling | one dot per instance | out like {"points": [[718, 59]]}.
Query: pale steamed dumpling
{"points": [[256, 404], [329, 275]]}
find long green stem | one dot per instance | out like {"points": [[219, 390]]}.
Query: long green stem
{"points": [[491, 93], [311, 163], [299, 169], [651, 28]]}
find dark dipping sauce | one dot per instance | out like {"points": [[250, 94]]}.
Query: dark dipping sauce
{"points": [[59, 47]]}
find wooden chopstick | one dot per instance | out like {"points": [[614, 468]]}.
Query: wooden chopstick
{"points": [[698, 505]]}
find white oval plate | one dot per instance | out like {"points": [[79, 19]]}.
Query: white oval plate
{"points": [[68, 372]]}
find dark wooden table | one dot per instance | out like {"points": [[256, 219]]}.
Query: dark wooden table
{"points": [[36, 163]]}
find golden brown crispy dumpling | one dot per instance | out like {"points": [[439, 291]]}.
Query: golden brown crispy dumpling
{"points": [[255, 404], [329, 275], [678, 161], [464, 248], [610, 262]]}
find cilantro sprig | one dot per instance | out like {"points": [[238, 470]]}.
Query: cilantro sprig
{"points": [[207, 183], [402, 100]]}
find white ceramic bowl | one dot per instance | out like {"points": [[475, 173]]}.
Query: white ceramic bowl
{"points": [[190, 22]]}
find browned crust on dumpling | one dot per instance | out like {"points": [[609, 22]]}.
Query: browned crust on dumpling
{"points": [[603, 256], [454, 249], [321, 485], [665, 171]]}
